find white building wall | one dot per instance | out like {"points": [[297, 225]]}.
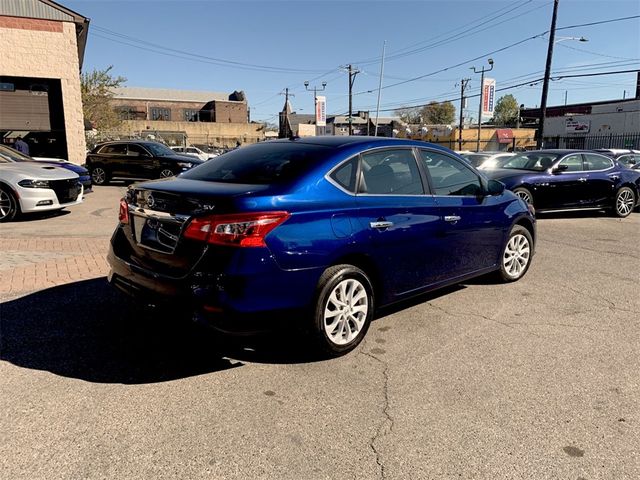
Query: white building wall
{"points": [[613, 118]]}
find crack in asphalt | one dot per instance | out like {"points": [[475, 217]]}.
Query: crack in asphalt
{"points": [[484, 317], [612, 305], [386, 426]]}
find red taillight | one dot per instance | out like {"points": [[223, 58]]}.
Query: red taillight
{"points": [[123, 214], [240, 230]]}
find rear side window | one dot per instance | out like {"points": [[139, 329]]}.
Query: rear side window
{"points": [[114, 149], [391, 172], [345, 175], [597, 162], [262, 164], [449, 176]]}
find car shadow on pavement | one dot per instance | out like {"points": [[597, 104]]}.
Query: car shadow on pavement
{"points": [[90, 331], [30, 217]]}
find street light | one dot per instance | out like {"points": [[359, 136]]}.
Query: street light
{"points": [[547, 71], [490, 61], [315, 90]]}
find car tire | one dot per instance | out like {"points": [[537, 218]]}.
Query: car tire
{"points": [[343, 309], [9, 206], [524, 194], [624, 203], [100, 176], [167, 173], [516, 254]]}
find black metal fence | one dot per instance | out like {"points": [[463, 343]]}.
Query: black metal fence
{"points": [[590, 142]]}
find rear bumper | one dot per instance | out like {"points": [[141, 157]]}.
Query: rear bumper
{"points": [[247, 287]]}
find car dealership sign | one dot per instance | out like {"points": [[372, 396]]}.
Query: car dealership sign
{"points": [[577, 126], [321, 111], [488, 96]]}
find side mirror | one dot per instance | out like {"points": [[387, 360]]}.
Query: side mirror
{"points": [[560, 169], [494, 187]]}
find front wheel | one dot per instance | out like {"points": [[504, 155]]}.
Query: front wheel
{"points": [[343, 309], [9, 207], [624, 202], [524, 194], [516, 254]]}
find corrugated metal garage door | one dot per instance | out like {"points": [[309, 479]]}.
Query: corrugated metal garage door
{"points": [[24, 110]]}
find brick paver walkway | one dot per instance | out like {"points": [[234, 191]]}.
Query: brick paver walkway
{"points": [[29, 264]]}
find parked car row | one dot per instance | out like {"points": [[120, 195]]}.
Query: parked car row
{"points": [[556, 180]]}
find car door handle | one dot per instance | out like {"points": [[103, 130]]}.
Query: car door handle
{"points": [[582, 179], [452, 218], [381, 225]]}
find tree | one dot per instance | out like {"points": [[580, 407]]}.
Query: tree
{"points": [[506, 111], [96, 87], [438, 113], [409, 115]]}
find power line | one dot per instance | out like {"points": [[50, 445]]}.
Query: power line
{"points": [[500, 50], [527, 83], [601, 22], [154, 47]]}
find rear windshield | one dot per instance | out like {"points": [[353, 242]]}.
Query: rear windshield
{"points": [[261, 164]]}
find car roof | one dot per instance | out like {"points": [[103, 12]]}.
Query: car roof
{"points": [[353, 141], [142, 142]]}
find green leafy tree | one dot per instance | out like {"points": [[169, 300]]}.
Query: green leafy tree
{"points": [[435, 113], [96, 87], [506, 111]]}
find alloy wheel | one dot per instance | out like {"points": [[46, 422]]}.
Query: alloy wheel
{"points": [[624, 202], [98, 175], [516, 255], [6, 205], [524, 196], [346, 311]]}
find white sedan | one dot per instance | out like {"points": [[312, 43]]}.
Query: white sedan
{"points": [[27, 187], [194, 152]]}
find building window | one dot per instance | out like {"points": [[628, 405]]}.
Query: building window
{"points": [[191, 115], [158, 113], [127, 113]]}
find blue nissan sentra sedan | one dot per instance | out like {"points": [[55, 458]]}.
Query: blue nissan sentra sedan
{"points": [[329, 228]]}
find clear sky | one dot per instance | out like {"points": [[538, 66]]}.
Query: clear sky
{"points": [[263, 47]]}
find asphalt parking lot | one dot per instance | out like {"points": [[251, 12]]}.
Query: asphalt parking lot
{"points": [[536, 379]]}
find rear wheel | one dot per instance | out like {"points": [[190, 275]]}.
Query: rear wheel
{"points": [[343, 309], [99, 176], [516, 255], [524, 194], [9, 207], [624, 203]]}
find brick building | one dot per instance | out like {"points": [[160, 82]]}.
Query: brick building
{"points": [[207, 119], [42, 48]]}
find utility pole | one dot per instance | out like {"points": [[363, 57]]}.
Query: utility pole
{"points": [[384, 46], [352, 78], [547, 75], [315, 91], [490, 61], [463, 85]]}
